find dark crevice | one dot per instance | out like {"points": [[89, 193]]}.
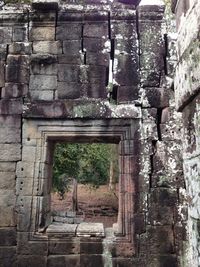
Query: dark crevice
{"points": [[114, 93], [84, 58], [107, 76], [151, 162], [158, 122], [166, 45], [112, 51], [137, 25], [109, 26], [166, 53], [0, 93], [82, 47], [178, 195]]}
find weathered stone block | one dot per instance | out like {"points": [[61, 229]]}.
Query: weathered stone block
{"points": [[13, 121], [25, 207], [46, 95], [14, 90], [124, 45], [5, 35], [127, 70], [149, 131], [8, 236], [31, 261], [96, 89], [20, 34], [77, 59], [96, 45], [43, 82], [69, 90], [160, 240], [10, 107], [7, 217], [43, 5], [72, 31], [68, 73], [171, 131], [127, 94], [97, 59], [96, 74], [168, 179], [59, 261], [45, 69], [27, 247], [39, 18], [123, 29], [3, 52], [28, 154], [51, 47], [91, 247], [119, 14], [91, 260], [162, 260], [7, 166], [7, 197], [72, 47], [10, 152], [25, 169], [155, 97], [167, 157], [90, 229], [42, 34], [99, 30], [64, 247], [17, 74], [18, 60], [7, 180], [57, 109], [14, 18], [70, 17], [21, 48], [8, 256]]}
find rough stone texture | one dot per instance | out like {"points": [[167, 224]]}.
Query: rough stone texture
{"points": [[187, 84], [85, 72]]}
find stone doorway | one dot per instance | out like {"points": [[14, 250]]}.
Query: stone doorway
{"points": [[39, 138]]}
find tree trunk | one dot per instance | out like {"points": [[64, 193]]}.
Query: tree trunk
{"points": [[74, 196], [111, 177]]}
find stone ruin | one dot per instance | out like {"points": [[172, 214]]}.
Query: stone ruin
{"points": [[101, 71]]}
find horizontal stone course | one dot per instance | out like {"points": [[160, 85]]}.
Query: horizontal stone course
{"points": [[14, 90], [7, 180], [42, 34], [22, 48], [8, 236], [10, 152], [51, 47], [43, 82], [17, 74], [69, 31]]}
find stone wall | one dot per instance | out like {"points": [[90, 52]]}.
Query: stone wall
{"points": [[187, 91], [86, 72]]}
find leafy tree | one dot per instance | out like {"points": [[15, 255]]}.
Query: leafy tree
{"points": [[87, 163]]}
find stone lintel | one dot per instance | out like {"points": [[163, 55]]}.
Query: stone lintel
{"points": [[80, 109], [90, 229], [45, 4]]}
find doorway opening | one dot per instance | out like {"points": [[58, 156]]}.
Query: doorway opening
{"points": [[85, 183]]}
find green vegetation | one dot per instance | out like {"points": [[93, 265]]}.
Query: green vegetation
{"points": [[87, 163]]}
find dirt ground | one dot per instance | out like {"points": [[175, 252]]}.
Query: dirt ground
{"points": [[94, 205]]}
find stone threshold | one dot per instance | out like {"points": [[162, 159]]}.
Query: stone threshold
{"points": [[83, 229]]}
